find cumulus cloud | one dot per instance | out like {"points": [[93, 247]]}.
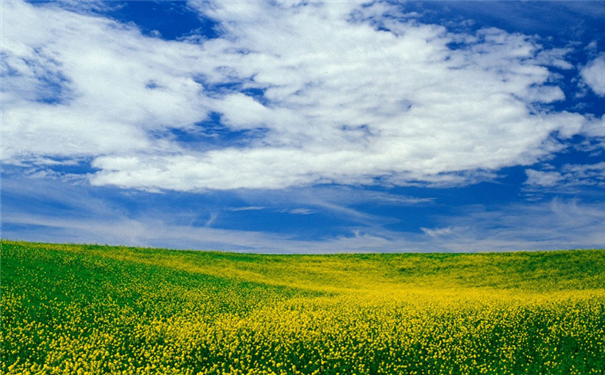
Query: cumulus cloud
{"points": [[594, 75], [78, 85], [337, 93]]}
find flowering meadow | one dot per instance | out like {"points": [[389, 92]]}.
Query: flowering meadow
{"points": [[84, 309]]}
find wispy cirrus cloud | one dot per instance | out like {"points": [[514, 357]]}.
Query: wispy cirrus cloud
{"points": [[63, 212], [549, 225], [344, 92], [246, 208]]}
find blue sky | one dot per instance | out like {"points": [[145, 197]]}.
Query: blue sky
{"points": [[305, 126]]}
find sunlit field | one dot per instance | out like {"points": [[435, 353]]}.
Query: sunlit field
{"points": [[77, 309]]}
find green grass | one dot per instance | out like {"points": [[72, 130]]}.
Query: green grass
{"points": [[100, 309]]}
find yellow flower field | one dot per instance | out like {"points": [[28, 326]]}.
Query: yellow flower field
{"points": [[80, 309]]}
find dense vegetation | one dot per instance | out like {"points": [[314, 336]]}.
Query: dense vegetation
{"points": [[98, 309]]}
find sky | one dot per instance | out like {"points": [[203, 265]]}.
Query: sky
{"points": [[304, 126]]}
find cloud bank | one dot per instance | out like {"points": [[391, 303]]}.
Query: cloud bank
{"points": [[337, 92]]}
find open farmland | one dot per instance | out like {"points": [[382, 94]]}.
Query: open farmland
{"points": [[99, 309]]}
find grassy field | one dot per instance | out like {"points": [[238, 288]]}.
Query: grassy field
{"points": [[73, 309]]}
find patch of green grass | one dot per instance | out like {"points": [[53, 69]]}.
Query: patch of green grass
{"points": [[101, 309]]}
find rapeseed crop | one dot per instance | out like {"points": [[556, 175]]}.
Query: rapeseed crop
{"points": [[77, 309]]}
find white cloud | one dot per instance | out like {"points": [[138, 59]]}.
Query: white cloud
{"points": [[586, 171], [595, 127], [569, 176], [246, 208], [343, 102], [100, 71], [584, 174], [437, 232], [539, 178], [594, 75], [300, 211]]}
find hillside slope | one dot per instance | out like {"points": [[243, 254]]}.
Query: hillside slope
{"points": [[99, 309]]}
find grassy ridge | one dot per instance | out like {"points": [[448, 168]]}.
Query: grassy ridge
{"points": [[96, 309]]}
